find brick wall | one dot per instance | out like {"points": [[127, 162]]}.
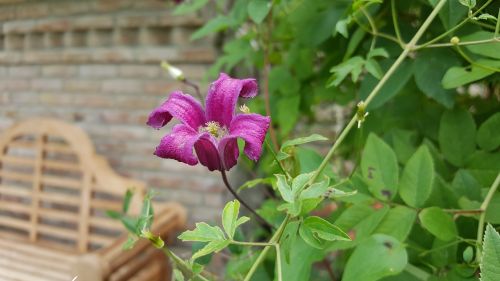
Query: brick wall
{"points": [[95, 63]]}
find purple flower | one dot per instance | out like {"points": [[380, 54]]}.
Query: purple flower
{"points": [[212, 134]]}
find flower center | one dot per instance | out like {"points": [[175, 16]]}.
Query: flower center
{"points": [[214, 129]]}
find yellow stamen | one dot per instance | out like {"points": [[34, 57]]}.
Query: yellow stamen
{"points": [[244, 108]]}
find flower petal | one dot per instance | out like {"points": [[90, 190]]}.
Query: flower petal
{"points": [[223, 95], [181, 106], [207, 152], [179, 144], [229, 151], [252, 128]]}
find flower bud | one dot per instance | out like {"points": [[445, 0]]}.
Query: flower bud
{"points": [[455, 40], [173, 71]]}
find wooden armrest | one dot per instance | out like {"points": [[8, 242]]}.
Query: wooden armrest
{"points": [[169, 218]]}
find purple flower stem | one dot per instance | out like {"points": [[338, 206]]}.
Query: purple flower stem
{"points": [[261, 220], [196, 89]]}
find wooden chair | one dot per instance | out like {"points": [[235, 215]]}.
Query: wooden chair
{"points": [[54, 192]]}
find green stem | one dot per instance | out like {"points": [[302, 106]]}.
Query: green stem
{"points": [[378, 34], [451, 30], [395, 23], [270, 148], [408, 47], [424, 253], [373, 27], [472, 62], [278, 261], [497, 27], [417, 272], [484, 206], [181, 264], [475, 42], [275, 239], [258, 244]]}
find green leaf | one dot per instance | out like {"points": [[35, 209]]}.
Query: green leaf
{"points": [[356, 39], [189, 7], [299, 182], [377, 257], [214, 25], [316, 232], [316, 190], [254, 182], [468, 254], [130, 243], [211, 247], [114, 214], [418, 177], [298, 141], [488, 135], [342, 27], [431, 66], [352, 66], [258, 10], [491, 255], [203, 233], [468, 3], [288, 112], [324, 229], [379, 167], [458, 76], [484, 49], [486, 16], [126, 200], [300, 265], [452, 13], [289, 238], [284, 189], [178, 275], [378, 52], [392, 87], [438, 223], [230, 219], [457, 135], [373, 68], [464, 184], [398, 222]]}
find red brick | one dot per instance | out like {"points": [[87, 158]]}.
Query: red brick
{"points": [[139, 71], [46, 84], [122, 86], [82, 85], [25, 71], [98, 71], [58, 70]]}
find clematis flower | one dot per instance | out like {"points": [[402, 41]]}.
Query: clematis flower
{"points": [[213, 133]]}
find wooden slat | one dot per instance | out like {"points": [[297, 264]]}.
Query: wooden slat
{"points": [[14, 191], [59, 148], [22, 144], [60, 198], [105, 204], [106, 223], [36, 186], [17, 160], [16, 176], [23, 265], [10, 222], [61, 165], [101, 239], [58, 215], [57, 231], [61, 182], [15, 207]]}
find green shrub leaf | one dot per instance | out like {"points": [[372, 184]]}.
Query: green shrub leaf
{"points": [[488, 135], [203, 233], [418, 177], [438, 223], [490, 261], [457, 136], [258, 10], [377, 257], [379, 167]]}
